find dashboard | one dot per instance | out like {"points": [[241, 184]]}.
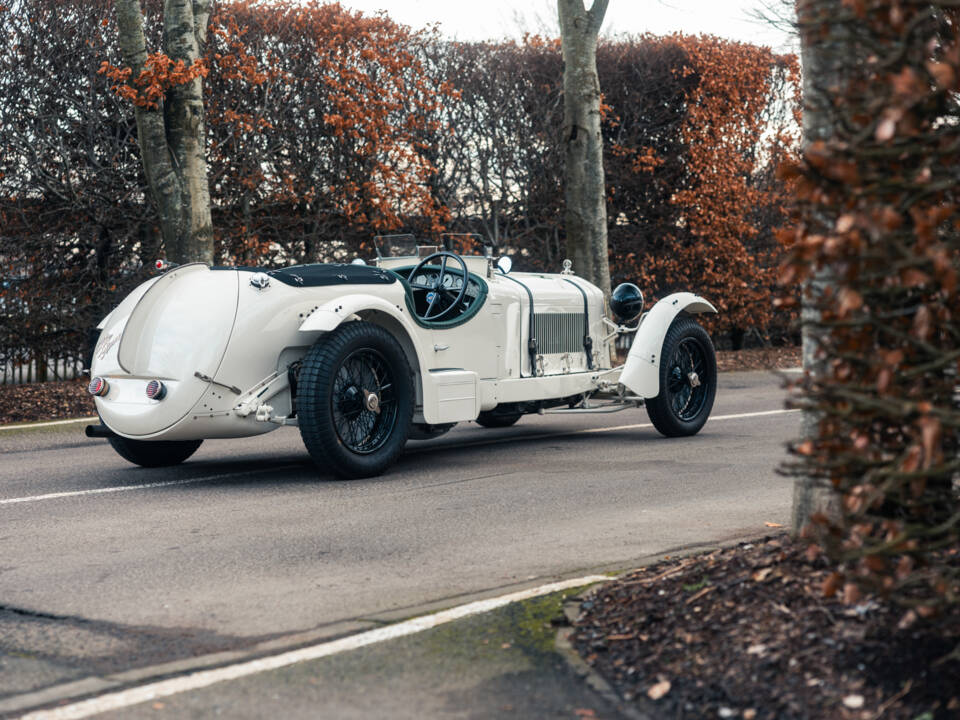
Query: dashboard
{"points": [[451, 281]]}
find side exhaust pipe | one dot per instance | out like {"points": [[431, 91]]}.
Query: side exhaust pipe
{"points": [[99, 431]]}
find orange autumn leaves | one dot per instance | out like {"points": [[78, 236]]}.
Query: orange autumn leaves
{"points": [[320, 117], [730, 132], [376, 110], [159, 75]]}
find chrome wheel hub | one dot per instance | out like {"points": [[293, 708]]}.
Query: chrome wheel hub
{"points": [[371, 401]]}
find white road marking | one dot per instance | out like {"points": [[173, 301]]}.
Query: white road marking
{"points": [[193, 481], [47, 424], [590, 431], [146, 486], [205, 678]]}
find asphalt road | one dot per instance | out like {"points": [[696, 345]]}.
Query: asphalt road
{"points": [[106, 568]]}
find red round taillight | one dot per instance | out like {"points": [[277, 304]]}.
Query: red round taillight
{"points": [[156, 390], [98, 386]]}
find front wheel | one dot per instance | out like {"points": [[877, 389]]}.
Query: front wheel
{"points": [[355, 400], [688, 380], [156, 453]]}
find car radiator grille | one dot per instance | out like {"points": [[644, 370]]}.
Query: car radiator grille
{"points": [[558, 332]]}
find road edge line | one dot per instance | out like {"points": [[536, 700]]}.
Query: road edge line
{"points": [[205, 678], [51, 423]]}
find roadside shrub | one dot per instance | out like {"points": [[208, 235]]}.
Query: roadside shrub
{"points": [[879, 237]]}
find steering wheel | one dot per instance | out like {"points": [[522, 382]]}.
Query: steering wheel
{"points": [[441, 300]]}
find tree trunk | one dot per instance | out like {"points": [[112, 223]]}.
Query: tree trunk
{"points": [[826, 52], [172, 136], [586, 202]]}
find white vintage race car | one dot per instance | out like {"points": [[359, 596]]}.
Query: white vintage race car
{"points": [[364, 357]]}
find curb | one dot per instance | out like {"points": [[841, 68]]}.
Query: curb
{"points": [[593, 679], [50, 423], [571, 611]]}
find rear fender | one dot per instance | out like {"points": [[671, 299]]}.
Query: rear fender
{"points": [[329, 316], [641, 374], [415, 341]]}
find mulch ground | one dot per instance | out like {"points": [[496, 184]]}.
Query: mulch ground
{"points": [[65, 400], [774, 358], [746, 633], [45, 401]]}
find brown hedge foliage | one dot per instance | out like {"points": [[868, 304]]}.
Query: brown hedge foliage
{"points": [[326, 127], [878, 206]]}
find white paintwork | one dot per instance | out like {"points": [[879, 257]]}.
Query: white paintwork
{"points": [[244, 335], [642, 370], [458, 395]]}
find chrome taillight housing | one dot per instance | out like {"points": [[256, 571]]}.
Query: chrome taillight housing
{"points": [[98, 387], [156, 390]]}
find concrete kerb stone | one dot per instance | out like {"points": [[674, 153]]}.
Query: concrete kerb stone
{"points": [[639, 708], [91, 686]]}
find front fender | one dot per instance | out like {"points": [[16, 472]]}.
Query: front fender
{"points": [[642, 371]]}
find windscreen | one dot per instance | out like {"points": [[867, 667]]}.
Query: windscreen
{"points": [[395, 246]]}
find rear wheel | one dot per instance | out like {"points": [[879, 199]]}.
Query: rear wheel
{"points": [[355, 400], [157, 453], [495, 420], [688, 380]]}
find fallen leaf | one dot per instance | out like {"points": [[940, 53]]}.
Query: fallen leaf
{"points": [[846, 223], [832, 584], [908, 620], [761, 575], [584, 713], [854, 702], [158, 706], [659, 690], [505, 646], [773, 525]]}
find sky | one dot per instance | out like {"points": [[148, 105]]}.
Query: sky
{"points": [[494, 19]]}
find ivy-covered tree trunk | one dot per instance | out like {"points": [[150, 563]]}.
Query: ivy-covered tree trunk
{"points": [[586, 203], [172, 132]]}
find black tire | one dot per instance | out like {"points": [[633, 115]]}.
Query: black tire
{"points": [[154, 453], [344, 431], [495, 420], [425, 431], [681, 409]]}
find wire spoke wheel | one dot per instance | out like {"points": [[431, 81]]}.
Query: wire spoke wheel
{"points": [[687, 392], [688, 380], [362, 403], [355, 400]]}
